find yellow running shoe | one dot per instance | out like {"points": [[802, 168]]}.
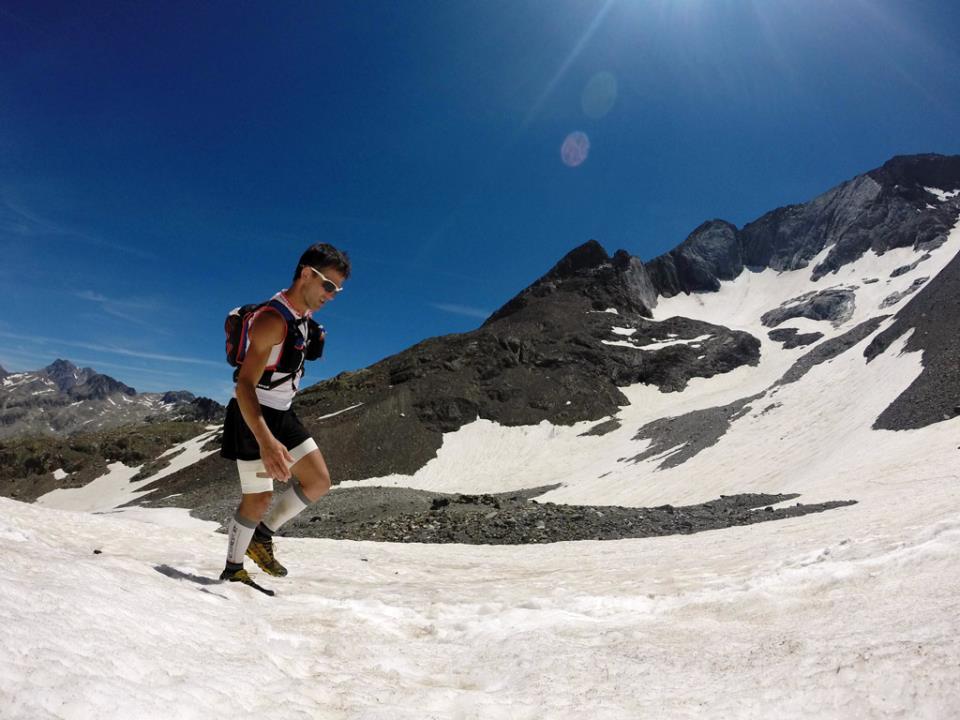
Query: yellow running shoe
{"points": [[261, 552]]}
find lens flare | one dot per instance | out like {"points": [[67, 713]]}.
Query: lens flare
{"points": [[575, 149], [599, 96]]}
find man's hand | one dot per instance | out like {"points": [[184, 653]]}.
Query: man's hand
{"points": [[277, 461]]}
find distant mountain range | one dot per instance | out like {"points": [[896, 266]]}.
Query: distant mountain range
{"points": [[776, 356], [62, 398]]}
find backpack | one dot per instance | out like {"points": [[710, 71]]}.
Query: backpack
{"points": [[297, 348]]}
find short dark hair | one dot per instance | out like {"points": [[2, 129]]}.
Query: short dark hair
{"points": [[321, 255]]}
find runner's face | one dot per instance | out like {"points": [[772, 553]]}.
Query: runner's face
{"points": [[315, 294]]}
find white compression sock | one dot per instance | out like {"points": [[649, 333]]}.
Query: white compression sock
{"points": [[291, 503], [238, 538]]}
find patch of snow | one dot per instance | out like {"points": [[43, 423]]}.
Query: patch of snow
{"points": [[116, 488], [942, 195], [658, 345], [626, 332], [59, 474], [612, 311], [340, 412], [104, 493]]}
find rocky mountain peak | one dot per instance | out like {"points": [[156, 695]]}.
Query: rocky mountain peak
{"points": [[588, 276], [59, 368], [65, 374], [588, 256], [920, 171], [99, 387], [174, 396]]}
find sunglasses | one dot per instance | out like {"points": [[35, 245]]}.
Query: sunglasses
{"points": [[329, 285]]}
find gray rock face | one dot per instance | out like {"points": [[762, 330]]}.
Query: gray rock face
{"points": [[883, 209], [792, 338], [587, 272], [830, 349], [835, 304], [903, 270], [894, 298], [901, 213], [710, 254], [690, 434]]}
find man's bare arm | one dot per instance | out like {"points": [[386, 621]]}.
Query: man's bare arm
{"points": [[266, 330]]}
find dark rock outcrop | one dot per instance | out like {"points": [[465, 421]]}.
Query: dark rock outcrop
{"points": [[903, 270], [933, 316], [830, 349], [685, 436], [894, 298], [589, 273], [834, 304], [792, 338], [710, 254]]}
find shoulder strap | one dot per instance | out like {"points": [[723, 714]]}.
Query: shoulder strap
{"points": [[282, 309]]}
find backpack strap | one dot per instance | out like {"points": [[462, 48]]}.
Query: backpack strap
{"points": [[292, 325]]}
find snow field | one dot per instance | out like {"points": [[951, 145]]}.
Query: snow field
{"points": [[703, 625]]}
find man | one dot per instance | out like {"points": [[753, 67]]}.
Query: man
{"points": [[261, 432]]}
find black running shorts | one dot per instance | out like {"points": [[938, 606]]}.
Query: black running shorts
{"points": [[239, 442]]}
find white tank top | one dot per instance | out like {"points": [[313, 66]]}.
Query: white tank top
{"points": [[281, 397]]}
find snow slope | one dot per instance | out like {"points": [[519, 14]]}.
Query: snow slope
{"points": [[830, 620]]}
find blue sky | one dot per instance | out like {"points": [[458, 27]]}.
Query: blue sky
{"points": [[162, 162]]}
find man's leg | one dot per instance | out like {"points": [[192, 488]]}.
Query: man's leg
{"points": [[310, 482], [256, 493]]}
